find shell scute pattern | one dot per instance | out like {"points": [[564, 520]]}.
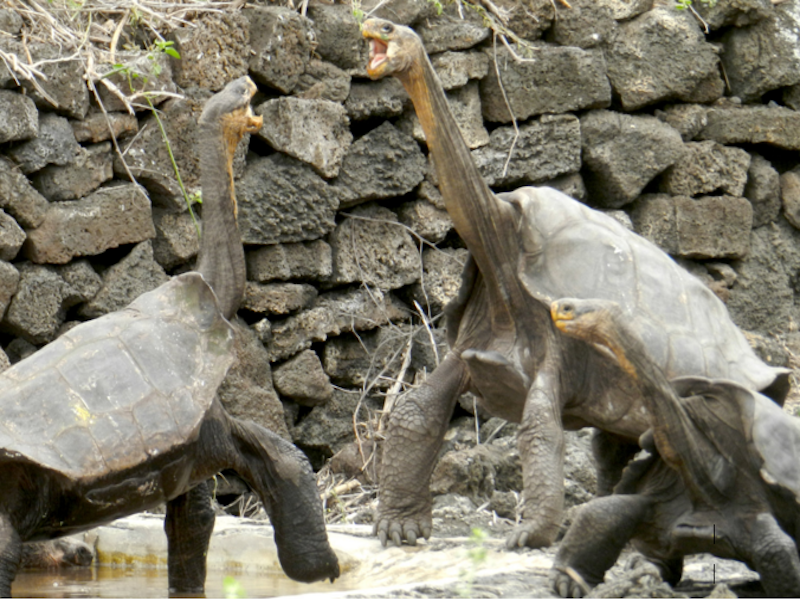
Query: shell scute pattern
{"points": [[115, 391], [570, 250]]}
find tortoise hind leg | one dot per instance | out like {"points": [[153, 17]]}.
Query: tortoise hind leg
{"points": [[10, 555], [611, 454], [595, 540], [774, 556], [188, 524]]}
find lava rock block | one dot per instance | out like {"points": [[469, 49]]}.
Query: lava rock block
{"points": [[338, 35], [21, 120], [19, 198], [430, 223], [314, 131], [324, 81], [624, 153], [385, 98], [59, 89], [455, 69], [106, 219], [97, 128], [556, 80], [11, 237], [92, 167], [307, 260], [763, 189], [373, 248], [707, 167], [302, 379], [154, 75], [441, 278], [277, 298], [55, 144], [281, 43], [773, 125], [283, 200], [177, 239]]}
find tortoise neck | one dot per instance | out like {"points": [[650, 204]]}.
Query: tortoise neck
{"points": [[221, 259], [486, 224]]}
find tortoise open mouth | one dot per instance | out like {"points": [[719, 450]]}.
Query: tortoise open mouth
{"points": [[377, 53]]}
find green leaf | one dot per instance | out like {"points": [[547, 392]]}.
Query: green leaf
{"points": [[231, 588], [172, 52]]}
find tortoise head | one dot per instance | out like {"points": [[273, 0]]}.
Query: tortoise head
{"points": [[230, 110], [393, 49], [595, 321]]}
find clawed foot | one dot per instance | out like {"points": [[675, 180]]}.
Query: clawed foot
{"points": [[530, 536], [568, 583], [400, 530]]}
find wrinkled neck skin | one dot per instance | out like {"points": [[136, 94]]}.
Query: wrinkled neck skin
{"points": [[486, 224], [221, 259]]}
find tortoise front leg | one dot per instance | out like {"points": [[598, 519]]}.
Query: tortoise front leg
{"points": [[774, 557], [10, 555], [414, 436], [188, 524], [594, 541], [541, 449]]}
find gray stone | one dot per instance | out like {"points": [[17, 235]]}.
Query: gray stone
{"points": [[425, 220], [108, 218], [148, 159], [791, 97], [586, 24], [323, 80], [554, 80], [334, 313], [338, 35], [663, 55], [19, 198], [277, 298], [125, 281], [441, 278], [455, 69], [153, 76], [371, 247], [5, 363], [97, 127], [11, 237], [93, 166], [329, 428], [371, 359], [281, 43], [403, 12], [623, 10], [302, 379], [764, 56], [623, 153], [763, 299], [707, 167], [384, 163], [314, 131], [247, 392], [55, 145], [10, 21], [688, 119], [39, 307], [451, 32], [177, 239], [763, 189], [754, 125], [430, 193], [739, 13], [473, 472], [385, 98], [20, 118], [546, 148], [9, 283], [213, 51], [572, 185], [283, 200], [790, 196], [61, 87], [309, 260], [703, 228], [465, 104]]}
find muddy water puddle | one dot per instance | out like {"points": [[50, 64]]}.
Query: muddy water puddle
{"points": [[143, 582]]}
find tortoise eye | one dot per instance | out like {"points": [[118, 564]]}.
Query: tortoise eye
{"points": [[388, 28]]}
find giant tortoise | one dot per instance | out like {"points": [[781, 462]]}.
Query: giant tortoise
{"points": [[723, 475], [528, 248], [120, 414]]}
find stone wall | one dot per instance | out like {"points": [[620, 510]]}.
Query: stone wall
{"points": [[692, 138]]}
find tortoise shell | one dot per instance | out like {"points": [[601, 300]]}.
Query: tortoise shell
{"points": [[117, 391], [569, 250]]}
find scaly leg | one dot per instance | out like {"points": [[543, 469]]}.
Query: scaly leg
{"points": [[414, 436], [188, 524], [774, 556], [10, 555]]}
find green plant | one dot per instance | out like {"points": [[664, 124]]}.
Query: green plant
{"points": [[476, 552], [231, 588], [159, 47], [684, 4]]}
